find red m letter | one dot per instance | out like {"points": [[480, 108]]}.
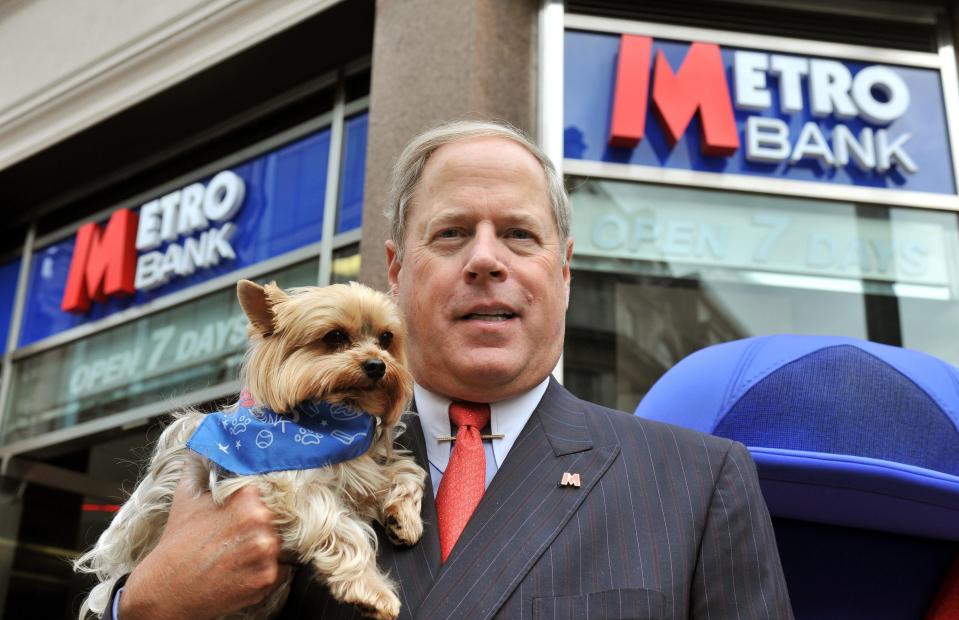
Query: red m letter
{"points": [[699, 86], [104, 262], [632, 84]]}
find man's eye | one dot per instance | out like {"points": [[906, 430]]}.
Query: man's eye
{"points": [[336, 338], [517, 233], [386, 339], [450, 233]]}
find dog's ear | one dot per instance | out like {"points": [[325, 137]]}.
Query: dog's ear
{"points": [[274, 293], [257, 303]]}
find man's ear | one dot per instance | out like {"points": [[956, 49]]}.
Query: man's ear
{"points": [[257, 302], [393, 265]]}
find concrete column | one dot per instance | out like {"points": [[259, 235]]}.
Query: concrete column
{"points": [[434, 61]]}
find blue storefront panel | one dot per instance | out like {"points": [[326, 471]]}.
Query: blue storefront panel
{"points": [[9, 273], [591, 63], [281, 210], [350, 212]]}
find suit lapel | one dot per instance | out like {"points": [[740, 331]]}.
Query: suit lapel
{"points": [[522, 511], [416, 567]]}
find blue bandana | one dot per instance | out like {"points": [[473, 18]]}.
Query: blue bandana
{"points": [[256, 440]]}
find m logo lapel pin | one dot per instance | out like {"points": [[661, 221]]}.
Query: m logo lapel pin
{"points": [[570, 480]]}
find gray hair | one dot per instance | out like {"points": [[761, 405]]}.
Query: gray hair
{"points": [[411, 162]]}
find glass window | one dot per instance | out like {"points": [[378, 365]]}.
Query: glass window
{"points": [[349, 215], [47, 528], [188, 347], [660, 272], [9, 273], [282, 210], [357, 85], [346, 264]]}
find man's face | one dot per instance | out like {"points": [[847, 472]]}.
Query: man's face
{"points": [[482, 283]]}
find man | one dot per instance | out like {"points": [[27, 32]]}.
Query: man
{"points": [[586, 511]]}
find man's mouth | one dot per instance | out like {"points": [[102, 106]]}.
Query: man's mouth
{"points": [[489, 316], [490, 313]]}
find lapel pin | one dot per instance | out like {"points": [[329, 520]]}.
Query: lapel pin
{"points": [[569, 480]]}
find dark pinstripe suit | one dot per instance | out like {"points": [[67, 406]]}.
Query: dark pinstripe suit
{"points": [[668, 523]]}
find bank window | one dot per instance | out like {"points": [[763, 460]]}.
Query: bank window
{"points": [[289, 192], [660, 272], [167, 334], [9, 274], [280, 212], [350, 207], [346, 264], [188, 347]]}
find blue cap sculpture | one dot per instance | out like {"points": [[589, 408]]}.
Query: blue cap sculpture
{"points": [[843, 431]]}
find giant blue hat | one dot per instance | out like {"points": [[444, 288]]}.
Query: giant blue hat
{"points": [[843, 431]]}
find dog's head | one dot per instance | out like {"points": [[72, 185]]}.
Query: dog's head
{"points": [[340, 343]]}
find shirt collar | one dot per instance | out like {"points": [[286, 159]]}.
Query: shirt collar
{"points": [[507, 418]]}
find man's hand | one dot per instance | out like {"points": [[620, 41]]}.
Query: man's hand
{"points": [[211, 560]]}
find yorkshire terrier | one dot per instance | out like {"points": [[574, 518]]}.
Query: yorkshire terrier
{"points": [[319, 358]]}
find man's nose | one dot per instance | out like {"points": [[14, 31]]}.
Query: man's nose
{"points": [[484, 260]]}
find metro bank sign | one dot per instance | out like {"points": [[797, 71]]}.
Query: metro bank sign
{"points": [[121, 257], [205, 230], [637, 101]]}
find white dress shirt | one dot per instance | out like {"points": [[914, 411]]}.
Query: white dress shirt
{"points": [[507, 418]]}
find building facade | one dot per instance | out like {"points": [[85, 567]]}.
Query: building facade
{"points": [[736, 168]]}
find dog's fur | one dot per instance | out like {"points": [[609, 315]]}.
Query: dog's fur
{"points": [[323, 515]]}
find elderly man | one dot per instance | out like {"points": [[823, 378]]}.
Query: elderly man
{"points": [[565, 509]]}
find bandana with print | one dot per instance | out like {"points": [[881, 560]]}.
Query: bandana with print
{"points": [[256, 440]]}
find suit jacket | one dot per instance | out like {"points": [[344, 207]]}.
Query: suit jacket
{"points": [[667, 523]]}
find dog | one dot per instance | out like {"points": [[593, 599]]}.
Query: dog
{"points": [[339, 350]]}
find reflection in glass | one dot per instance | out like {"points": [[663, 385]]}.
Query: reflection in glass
{"points": [[346, 264], [660, 272], [173, 352]]}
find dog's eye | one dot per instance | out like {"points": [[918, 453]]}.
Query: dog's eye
{"points": [[386, 339], [336, 338]]}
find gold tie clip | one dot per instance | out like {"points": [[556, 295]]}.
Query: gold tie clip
{"points": [[492, 436]]}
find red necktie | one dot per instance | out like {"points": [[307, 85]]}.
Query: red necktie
{"points": [[464, 480]]}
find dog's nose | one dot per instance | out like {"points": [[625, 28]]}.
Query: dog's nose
{"points": [[374, 368]]}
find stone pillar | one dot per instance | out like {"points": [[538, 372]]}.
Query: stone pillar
{"points": [[434, 61]]}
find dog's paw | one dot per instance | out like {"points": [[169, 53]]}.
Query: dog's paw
{"points": [[402, 522], [373, 596], [387, 609]]}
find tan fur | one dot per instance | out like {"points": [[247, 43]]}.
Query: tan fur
{"points": [[323, 515]]}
